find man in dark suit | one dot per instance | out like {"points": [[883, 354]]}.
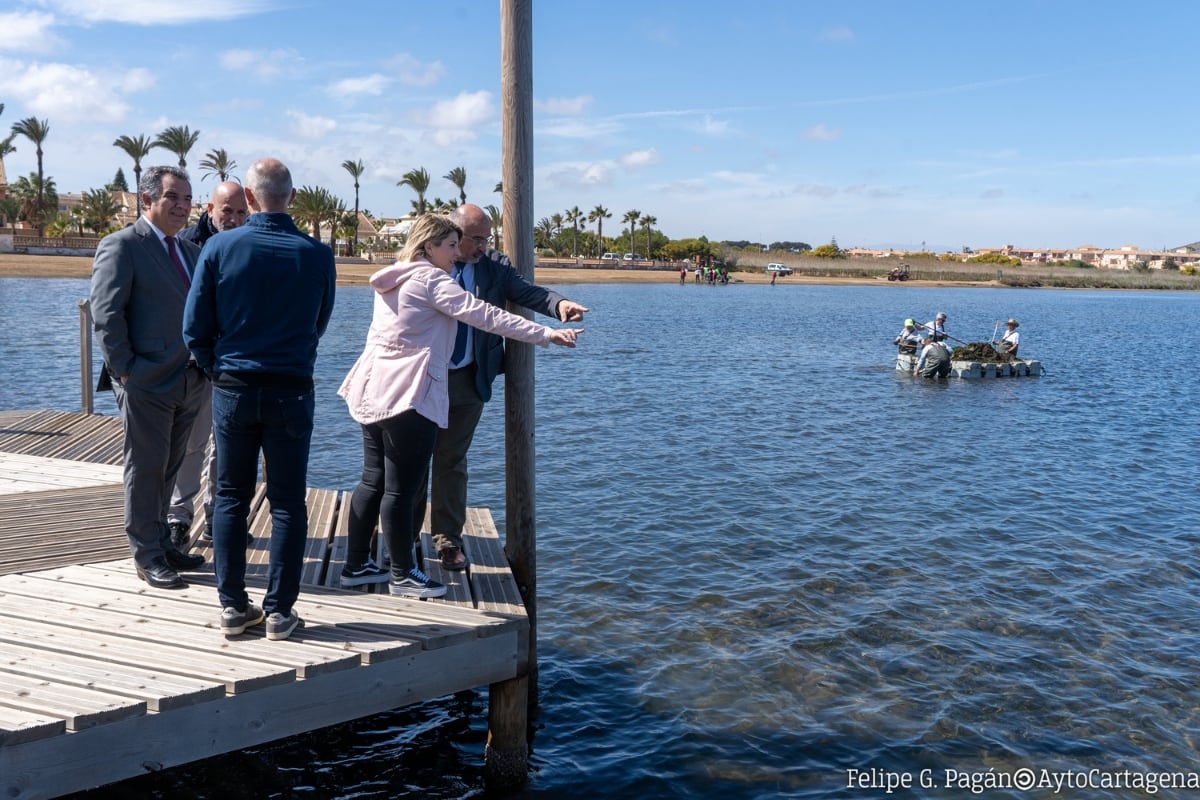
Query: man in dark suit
{"points": [[489, 274], [140, 280]]}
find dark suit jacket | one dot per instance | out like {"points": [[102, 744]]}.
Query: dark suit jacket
{"points": [[137, 307], [498, 282]]}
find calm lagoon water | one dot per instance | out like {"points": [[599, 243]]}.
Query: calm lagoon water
{"points": [[766, 559]]}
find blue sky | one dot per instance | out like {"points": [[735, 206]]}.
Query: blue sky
{"points": [[883, 124]]}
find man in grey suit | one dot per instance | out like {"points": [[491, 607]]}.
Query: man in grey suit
{"points": [[477, 359], [140, 280]]}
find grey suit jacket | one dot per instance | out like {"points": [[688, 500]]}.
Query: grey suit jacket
{"points": [[137, 307]]}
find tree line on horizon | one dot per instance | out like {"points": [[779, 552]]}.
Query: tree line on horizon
{"points": [[34, 199]]}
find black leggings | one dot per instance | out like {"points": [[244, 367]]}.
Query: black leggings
{"points": [[396, 455]]}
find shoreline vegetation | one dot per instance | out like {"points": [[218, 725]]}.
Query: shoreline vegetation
{"points": [[850, 272]]}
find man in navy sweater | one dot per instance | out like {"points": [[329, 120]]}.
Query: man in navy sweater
{"points": [[260, 301]]}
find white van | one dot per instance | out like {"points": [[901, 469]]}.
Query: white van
{"points": [[610, 257]]}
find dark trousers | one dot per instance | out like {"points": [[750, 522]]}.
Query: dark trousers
{"points": [[277, 422], [448, 474], [396, 455]]}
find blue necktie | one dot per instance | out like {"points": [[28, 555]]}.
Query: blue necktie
{"points": [[460, 339]]}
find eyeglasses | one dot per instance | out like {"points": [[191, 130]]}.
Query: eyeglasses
{"points": [[482, 241]]}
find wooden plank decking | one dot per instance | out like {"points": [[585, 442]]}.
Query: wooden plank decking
{"points": [[103, 678]]}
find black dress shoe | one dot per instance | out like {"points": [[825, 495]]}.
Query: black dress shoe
{"points": [[183, 561], [160, 576], [180, 534]]}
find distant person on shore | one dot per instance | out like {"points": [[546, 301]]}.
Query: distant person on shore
{"points": [[682, 275], [1010, 341], [477, 359], [399, 391], [262, 298], [909, 338], [140, 280], [226, 211], [934, 361]]}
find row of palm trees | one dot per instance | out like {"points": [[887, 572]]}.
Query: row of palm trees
{"points": [[548, 228], [314, 205]]}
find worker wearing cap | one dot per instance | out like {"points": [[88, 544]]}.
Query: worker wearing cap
{"points": [[937, 328], [1011, 340], [909, 338]]}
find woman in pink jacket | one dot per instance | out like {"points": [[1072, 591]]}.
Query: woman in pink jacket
{"points": [[397, 391]]}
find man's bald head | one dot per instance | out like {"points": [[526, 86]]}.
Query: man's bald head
{"points": [[227, 207], [476, 226]]}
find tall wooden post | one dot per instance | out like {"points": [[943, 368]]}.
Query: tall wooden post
{"points": [[507, 754]]}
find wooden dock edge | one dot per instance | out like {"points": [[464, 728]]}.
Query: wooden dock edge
{"points": [[58, 765]]}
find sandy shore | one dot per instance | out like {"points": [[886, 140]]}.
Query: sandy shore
{"points": [[356, 274]]}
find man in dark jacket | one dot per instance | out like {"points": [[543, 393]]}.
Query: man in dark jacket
{"points": [[261, 300], [491, 277], [226, 210]]}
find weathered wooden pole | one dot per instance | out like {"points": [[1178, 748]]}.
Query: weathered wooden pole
{"points": [[86, 384], [507, 753]]}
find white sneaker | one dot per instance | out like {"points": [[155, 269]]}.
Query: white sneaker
{"points": [[416, 584]]}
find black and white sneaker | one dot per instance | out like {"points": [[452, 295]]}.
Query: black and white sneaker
{"points": [[416, 584], [369, 572], [234, 622]]}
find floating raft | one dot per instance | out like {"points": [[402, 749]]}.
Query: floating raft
{"points": [[1020, 368]]}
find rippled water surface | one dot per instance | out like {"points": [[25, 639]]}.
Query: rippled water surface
{"points": [[766, 559]]}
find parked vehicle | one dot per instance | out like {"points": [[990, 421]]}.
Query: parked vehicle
{"points": [[900, 273], [633, 257], [779, 269], [610, 257]]}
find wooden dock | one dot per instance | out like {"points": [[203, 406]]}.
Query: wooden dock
{"points": [[103, 678]]}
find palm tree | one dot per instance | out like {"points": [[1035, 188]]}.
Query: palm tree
{"points": [[497, 218], [647, 221], [543, 232], [137, 149], [36, 131], [37, 197], [418, 181], [598, 215], [557, 220], [499, 187], [356, 170], [632, 216], [458, 176], [179, 140], [217, 162], [574, 216], [313, 205], [98, 209]]}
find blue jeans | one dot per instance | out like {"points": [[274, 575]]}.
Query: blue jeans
{"points": [[278, 422]]}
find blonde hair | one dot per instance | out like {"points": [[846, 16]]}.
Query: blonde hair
{"points": [[427, 229]]}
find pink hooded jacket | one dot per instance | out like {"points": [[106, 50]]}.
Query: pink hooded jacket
{"points": [[407, 356]]}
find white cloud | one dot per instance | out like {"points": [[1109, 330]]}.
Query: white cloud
{"points": [[455, 120], [837, 33], [713, 127], [262, 64], [822, 133], [576, 175], [412, 72], [156, 12], [640, 158], [310, 127], [563, 106], [27, 31], [370, 85], [68, 93], [739, 178]]}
